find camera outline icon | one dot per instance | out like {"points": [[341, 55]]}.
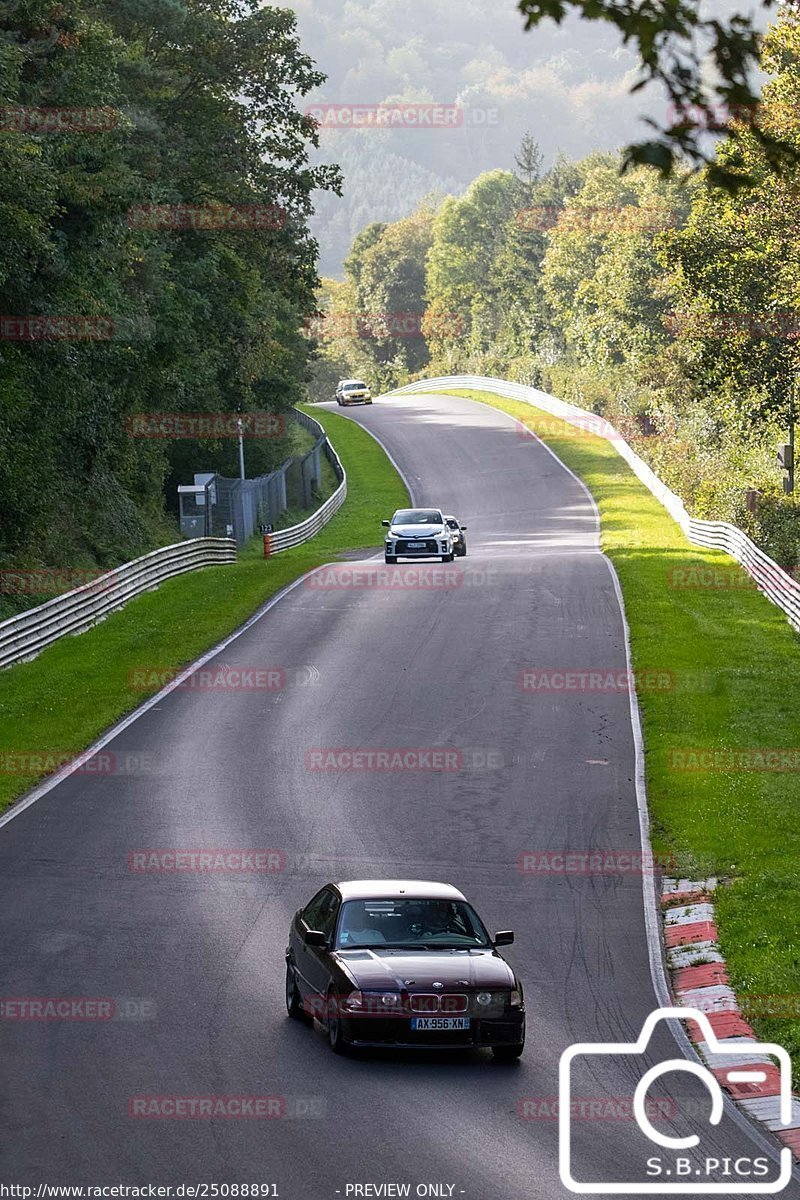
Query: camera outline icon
{"points": [[749, 1072]]}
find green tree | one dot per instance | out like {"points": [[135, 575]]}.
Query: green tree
{"points": [[203, 97], [461, 293]]}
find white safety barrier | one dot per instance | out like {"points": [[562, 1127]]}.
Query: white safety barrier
{"points": [[284, 539], [23, 636], [772, 580]]}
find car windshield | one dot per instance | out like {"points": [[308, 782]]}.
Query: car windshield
{"points": [[452, 522], [410, 924], [355, 383], [417, 516]]}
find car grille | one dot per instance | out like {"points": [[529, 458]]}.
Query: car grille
{"points": [[430, 546], [445, 1005]]}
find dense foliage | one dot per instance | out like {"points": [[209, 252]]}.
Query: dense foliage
{"points": [[670, 305], [198, 106]]}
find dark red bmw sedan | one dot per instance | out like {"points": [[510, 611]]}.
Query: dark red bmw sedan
{"points": [[406, 964]]}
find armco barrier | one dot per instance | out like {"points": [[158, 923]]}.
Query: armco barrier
{"points": [[283, 539], [772, 580], [24, 635]]}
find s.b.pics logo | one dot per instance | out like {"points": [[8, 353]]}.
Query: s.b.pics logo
{"points": [[674, 1160]]}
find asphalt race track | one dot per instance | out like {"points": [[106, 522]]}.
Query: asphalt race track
{"points": [[195, 960]]}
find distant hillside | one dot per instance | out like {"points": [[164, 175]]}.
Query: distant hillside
{"points": [[568, 85]]}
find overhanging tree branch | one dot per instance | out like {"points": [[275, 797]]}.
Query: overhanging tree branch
{"points": [[674, 43]]}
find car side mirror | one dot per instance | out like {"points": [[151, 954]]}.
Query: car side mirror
{"points": [[314, 937], [386, 523], [504, 938], [464, 527]]}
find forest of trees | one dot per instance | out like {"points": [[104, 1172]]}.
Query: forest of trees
{"points": [[107, 109], [669, 305]]}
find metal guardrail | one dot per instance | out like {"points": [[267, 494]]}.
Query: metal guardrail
{"points": [[284, 539], [772, 580], [24, 635]]}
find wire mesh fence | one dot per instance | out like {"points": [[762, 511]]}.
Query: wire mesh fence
{"points": [[217, 506]]}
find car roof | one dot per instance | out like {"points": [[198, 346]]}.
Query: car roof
{"points": [[397, 889], [420, 508], [342, 382]]}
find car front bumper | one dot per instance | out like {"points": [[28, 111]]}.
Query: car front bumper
{"points": [[433, 548], [376, 1032]]}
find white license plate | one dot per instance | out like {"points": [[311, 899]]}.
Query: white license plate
{"points": [[416, 545], [430, 1023]]}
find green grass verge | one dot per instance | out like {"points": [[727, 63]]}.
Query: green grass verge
{"points": [[735, 663], [63, 700]]}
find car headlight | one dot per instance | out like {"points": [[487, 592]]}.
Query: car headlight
{"points": [[515, 999], [484, 998], [353, 1003], [376, 1003]]}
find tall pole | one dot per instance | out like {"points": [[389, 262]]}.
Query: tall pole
{"points": [[241, 447]]}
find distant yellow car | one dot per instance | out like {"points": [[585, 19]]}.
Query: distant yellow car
{"points": [[353, 391]]}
